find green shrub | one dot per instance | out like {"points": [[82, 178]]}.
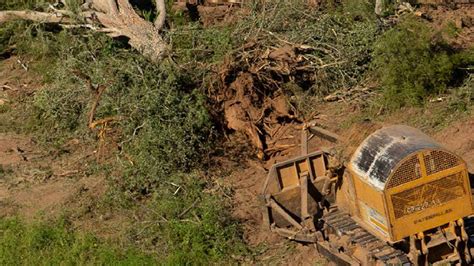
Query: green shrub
{"points": [[412, 62], [359, 9], [165, 132], [168, 129], [23, 4], [194, 43], [164, 128], [45, 243], [462, 98]]}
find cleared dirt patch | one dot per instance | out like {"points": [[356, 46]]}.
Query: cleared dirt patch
{"points": [[13, 149], [456, 24], [459, 137]]}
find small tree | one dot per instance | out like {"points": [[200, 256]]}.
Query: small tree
{"points": [[411, 64]]}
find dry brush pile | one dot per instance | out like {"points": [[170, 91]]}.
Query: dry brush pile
{"points": [[289, 57]]}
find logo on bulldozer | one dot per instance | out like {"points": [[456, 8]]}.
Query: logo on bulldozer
{"points": [[422, 206]]}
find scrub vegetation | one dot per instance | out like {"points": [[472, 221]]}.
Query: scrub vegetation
{"points": [[160, 121]]}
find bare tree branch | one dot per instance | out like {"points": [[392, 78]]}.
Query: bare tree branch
{"points": [[113, 7], [161, 18], [35, 16]]}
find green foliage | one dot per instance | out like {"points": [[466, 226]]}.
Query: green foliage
{"points": [[462, 98], [23, 4], [161, 107], [193, 227], [359, 9], [388, 7], [12, 33], [45, 243], [340, 39], [193, 43], [165, 126], [411, 64], [168, 128], [164, 131]]}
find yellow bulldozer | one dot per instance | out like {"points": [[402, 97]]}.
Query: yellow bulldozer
{"points": [[401, 199]]}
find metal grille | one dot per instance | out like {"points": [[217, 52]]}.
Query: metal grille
{"points": [[436, 161], [428, 195], [408, 171]]}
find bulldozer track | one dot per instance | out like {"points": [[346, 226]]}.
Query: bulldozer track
{"points": [[342, 224], [469, 227]]}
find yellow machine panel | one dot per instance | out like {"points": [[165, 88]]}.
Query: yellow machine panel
{"points": [[437, 197], [409, 182]]}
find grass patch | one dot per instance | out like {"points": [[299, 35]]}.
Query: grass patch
{"points": [[45, 243], [192, 223]]}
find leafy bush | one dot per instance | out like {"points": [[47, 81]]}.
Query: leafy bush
{"points": [[359, 9], [412, 62], [164, 133], [55, 244], [164, 124], [463, 97], [194, 43], [22, 4]]}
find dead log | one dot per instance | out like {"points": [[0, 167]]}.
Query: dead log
{"points": [[35, 16], [114, 17]]}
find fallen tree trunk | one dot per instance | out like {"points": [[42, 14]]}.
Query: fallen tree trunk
{"points": [[114, 17], [6, 16]]}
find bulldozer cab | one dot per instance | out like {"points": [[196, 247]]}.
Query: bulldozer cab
{"points": [[406, 183]]}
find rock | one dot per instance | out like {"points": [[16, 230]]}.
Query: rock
{"points": [[467, 22]]}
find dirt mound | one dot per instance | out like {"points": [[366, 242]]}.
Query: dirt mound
{"points": [[258, 116], [456, 24], [216, 15], [247, 185], [209, 15]]}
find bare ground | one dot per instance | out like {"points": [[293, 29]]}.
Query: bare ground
{"points": [[41, 182]]}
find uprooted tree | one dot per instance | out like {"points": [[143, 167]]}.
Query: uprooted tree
{"points": [[114, 17]]}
